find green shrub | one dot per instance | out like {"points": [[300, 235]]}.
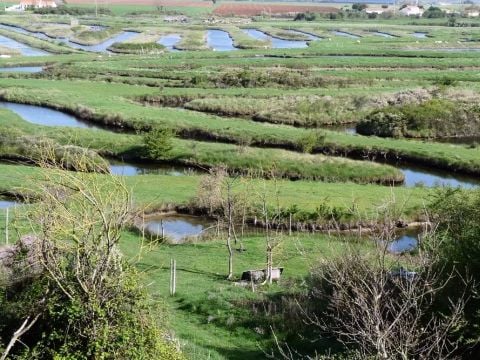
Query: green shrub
{"points": [[434, 12], [433, 118], [306, 16], [311, 141], [158, 143]]}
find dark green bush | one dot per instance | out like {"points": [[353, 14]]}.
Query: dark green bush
{"points": [[434, 12], [433, 118], [158, 143]]}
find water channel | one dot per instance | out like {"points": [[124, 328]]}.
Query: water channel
{"points": [[384, 34], [277, 43], [414, 175], [5, 204], [100, 47], [24, 49], [22, 69], [132, 169], [420, 35], [169, 41], [179, 227], [103, 46], [219, 40], [346, 34], [44, 116]]}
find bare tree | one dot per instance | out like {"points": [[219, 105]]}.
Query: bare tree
{"points": [[229, 216], [269, 217], [383, 312], [81, 215], [217, 195]]}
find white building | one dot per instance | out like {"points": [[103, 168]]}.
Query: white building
{"points": [[375, 10], [28, 4], [472, 13], [412, 10]]}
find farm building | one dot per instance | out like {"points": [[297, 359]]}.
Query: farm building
{"points": [[473, 12], [27, 4], [375, 10], [412, 10]]}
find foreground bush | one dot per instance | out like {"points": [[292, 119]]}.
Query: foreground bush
{"points": [[456, 216], [384, 312], [79, 297]]}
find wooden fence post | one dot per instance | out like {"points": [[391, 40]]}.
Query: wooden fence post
{"points": [[290, 225], [173, 277], [6, 227]]}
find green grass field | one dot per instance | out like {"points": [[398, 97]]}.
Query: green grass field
{"points": [[253, 109]]}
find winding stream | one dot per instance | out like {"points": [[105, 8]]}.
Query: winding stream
{"points": [[103, 46], [417, 175], [100, 47], [414, 175], [24, 49], [44, 116]]}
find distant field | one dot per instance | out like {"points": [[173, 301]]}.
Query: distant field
{"points": [[249, 9], [144, 2]]}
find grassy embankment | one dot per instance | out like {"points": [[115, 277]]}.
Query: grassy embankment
{"points": [[48, 46], [269, 162], [112, 109]]}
